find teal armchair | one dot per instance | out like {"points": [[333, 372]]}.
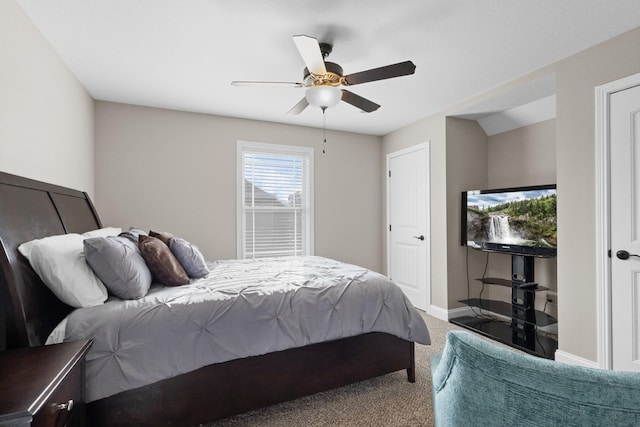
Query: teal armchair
{"points": [[477, 383]]}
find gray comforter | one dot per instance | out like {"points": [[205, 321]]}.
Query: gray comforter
{"points": [[243, 308]]}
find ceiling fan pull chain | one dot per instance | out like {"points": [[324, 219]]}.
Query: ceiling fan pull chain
{"points": [[324, 129]]}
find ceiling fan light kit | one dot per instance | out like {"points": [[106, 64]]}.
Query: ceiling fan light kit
{"points": [[323, 96]]}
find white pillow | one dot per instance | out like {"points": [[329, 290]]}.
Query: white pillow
{"points": [[103, 232], [60, 263], [25, 248]]}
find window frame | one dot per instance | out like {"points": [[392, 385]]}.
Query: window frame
{"points": [[276, 149]]}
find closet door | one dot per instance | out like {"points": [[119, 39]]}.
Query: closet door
{"points": [[408, 239], [625, 228]]}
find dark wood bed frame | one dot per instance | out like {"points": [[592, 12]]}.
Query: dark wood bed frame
{"points": [[32, 209]]}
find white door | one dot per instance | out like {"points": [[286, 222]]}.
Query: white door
{"points": [[408, 239], [625, 228]]}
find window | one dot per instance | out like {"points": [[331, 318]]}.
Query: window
{"points": [[274, 200]]}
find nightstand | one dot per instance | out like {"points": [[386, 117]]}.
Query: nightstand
{"points": [[43, 386]]}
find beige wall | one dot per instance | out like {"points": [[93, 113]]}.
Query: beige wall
{"points": [[577, 76], [575, 156], [467, 153], [176, 171], [46, 116], [431, 129], [523, 156], [445, 223]]}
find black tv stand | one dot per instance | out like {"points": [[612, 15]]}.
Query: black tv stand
{"points": [[521, 331]]}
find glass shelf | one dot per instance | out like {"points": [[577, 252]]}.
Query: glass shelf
{"points": [[505, 309], [540, 345], [510, 283], [515, 322]]}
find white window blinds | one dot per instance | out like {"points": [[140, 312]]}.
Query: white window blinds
{"points": [[275, 199]]}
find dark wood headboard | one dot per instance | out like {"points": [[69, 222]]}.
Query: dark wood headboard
{"points": [[30, 210]]}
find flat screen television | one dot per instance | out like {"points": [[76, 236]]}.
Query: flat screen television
{"points": [[517, 221]]}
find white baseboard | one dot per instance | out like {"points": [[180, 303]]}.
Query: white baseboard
{"points": [[571, 359], [446, 315], [439, 313], [460, 312]]}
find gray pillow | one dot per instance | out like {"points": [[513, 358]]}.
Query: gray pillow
{"points": [[189, 256], [118, 264], [133, 234]]}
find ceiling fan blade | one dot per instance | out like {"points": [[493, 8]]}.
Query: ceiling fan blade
{"points": [[309, 49], [299, 107], [359, 102], [390, 71], [255, 82]]}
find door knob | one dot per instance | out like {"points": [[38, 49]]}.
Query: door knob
{"points": [[420, 237], [622, 254]]}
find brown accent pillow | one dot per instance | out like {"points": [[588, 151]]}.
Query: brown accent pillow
{"points": [[162, 235], [161, 262]]}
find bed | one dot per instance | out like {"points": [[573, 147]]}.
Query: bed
{"points": [[31, 209]]}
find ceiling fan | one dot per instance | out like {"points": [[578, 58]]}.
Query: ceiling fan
{"points": [[322, 78]]}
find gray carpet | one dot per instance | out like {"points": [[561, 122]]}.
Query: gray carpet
{"points": [[389, 400]]}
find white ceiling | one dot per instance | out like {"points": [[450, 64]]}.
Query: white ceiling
{"points": [[183, 54]]}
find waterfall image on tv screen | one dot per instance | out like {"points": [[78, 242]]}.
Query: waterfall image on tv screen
{"points": [[522, 218]]}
